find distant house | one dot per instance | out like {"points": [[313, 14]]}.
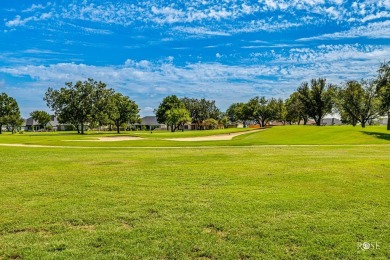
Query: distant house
{"points": [[32, 125], [149, 123], [190, 127], [236, 125], [331, 121], [276, 123], [382, 120]]}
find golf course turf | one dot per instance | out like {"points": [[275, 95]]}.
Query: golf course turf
{"points": [[300, 192]]}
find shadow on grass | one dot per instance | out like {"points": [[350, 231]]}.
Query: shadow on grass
{"points": [[379, 135]]}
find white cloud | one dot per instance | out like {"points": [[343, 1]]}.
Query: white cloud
{"points": [[338, 2], [199, 18], [271, 4], [147, 110], [15, 22], [18, 21], [90, 30], [335, 53], [264, 25], [378, 30], [273, 72], [200, 31], [147, 82], [379, 15], [34, 7], [40, 51], [270, 46]]}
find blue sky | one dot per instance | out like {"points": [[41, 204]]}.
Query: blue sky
{"points": [[225, 50]]}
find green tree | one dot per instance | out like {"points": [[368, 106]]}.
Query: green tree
{"points": [[121, 110], [317, 99], [42, 117], [102, 99], [9, 111], [168, 103], [224, 121], [260, 110], [201, 110], [236, 113], [14, 121], [295, 109], [346, 118], [193, 107], [78, 103], [358, 102], [383, 88], [279, 109], [210, 123], [177, 117]]}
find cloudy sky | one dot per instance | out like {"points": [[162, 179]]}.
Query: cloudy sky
{"points": [[226, 50]]}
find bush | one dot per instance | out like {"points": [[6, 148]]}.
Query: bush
{"points": [[210, 123]]}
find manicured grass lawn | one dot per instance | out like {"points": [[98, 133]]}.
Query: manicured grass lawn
{"points": [[222, 202], [280, 135], [156, 138], [298, 135]]}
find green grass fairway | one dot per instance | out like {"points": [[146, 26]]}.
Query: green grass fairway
{"points": [[280, 135], [286, 192]]}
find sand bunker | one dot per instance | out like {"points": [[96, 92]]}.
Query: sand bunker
{"points": [[222, 137]]}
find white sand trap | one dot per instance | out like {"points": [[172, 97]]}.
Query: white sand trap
{"points": [[221, 137], [108, 139]]}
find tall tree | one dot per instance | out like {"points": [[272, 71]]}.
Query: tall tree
{"points": [[14, 121], [102, 98], [9, 111], [295, 109], [177, 117], [224, 120], [383, 87], [236, 112], [280, 111], [193, 107], [168, 103], [210, 123], [42, 117], [77, 103], [358, 102], [346, 118], [317, 99], [121, 110], [201, 110], [260, 110]]}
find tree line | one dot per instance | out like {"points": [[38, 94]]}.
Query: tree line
{"points": [[91, 102], [175, 113], [355, 101]]}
